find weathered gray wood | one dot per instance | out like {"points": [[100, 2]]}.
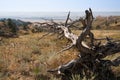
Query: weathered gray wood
{"points": [[90, 58]]}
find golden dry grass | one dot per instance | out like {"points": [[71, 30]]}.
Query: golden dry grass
{"points": [[29, 57]]}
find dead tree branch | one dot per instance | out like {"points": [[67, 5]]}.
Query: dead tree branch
{"points": [[67, 48], [44, 35], [90, 59]]}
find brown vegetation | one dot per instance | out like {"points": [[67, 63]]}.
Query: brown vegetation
{"points": [[28, 57], [17, 54]]}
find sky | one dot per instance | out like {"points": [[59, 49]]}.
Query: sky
{"points": [[58, 5]]}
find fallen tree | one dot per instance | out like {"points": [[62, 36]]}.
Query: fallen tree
{"points": [[90, 59]]}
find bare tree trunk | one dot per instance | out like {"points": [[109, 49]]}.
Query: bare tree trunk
{"points": [[90, 58]]}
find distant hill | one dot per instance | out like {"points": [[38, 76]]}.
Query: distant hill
{"points": [[14, 27], [108, 23], [104, 23], [10, 27]]}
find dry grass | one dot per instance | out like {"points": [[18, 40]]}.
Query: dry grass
{"points": [[28, 57], [109, 23]]}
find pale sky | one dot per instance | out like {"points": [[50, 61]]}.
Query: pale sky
{"points": [[58, 5]]}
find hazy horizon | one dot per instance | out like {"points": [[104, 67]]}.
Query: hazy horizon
{"points": [[60, 14], [56, 9], [38, 16]]}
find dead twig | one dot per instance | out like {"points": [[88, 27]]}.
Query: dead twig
{"points": [[44, 35], [67, 48]]}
